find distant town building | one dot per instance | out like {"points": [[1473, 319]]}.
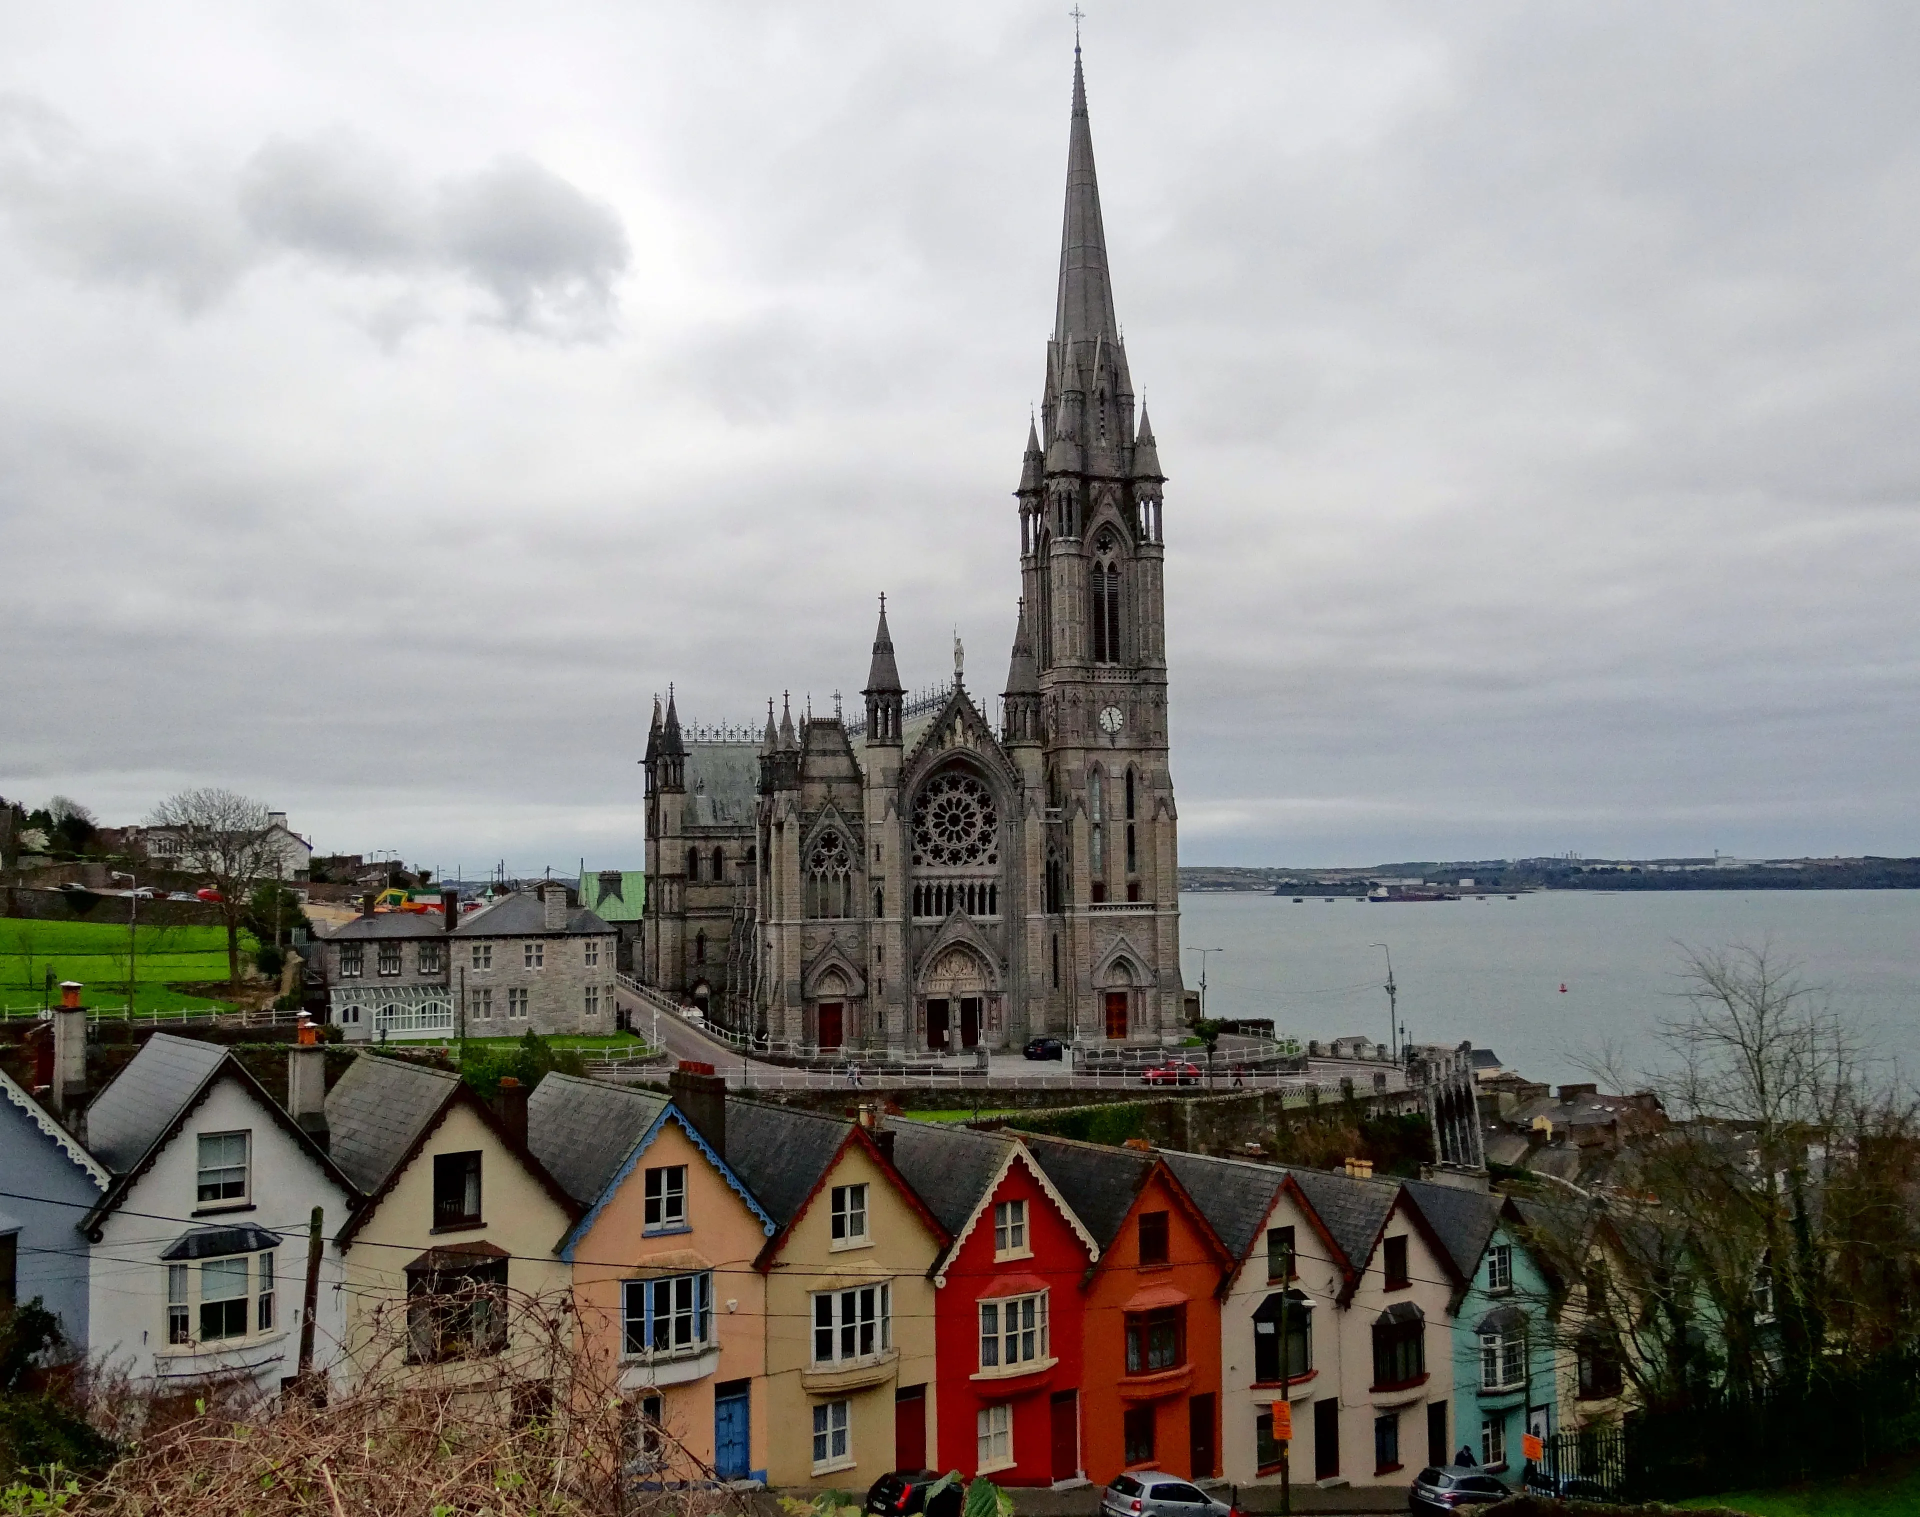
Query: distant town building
{"points": [[289, 856]]}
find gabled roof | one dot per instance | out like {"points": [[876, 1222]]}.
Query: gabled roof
{"points": [[1099, 1182], [392, 924], [585, 1158], [55, 1133], [376, 1110], [522, 915], [377, 1141], [1235, 1196], [1463, 1220], [583, 1129], [1352, 1211], [957, 1171], [148, 1102], [784, 1156], [142, 1100]]}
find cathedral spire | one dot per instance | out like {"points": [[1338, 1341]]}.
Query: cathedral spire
{"points": [[883, 674], [1084, 311], [670, 734], [1146, 455], [1023, 677], [789, 742]]}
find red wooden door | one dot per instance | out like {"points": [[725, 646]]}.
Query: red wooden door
{"points": [[910, 1428], [1066, 1435], [830, 1017], [1200, 1448], [1116, 1013]]}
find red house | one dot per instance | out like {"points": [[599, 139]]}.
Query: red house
{"points": [[1151, 1393], [1008, 1305]]}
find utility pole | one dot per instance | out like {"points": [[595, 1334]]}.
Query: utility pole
{"points": [[310, 1299], [1393, 1003], [133, 932], [1203, 952]]}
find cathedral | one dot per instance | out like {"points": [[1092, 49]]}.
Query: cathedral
{"points": [[913, 880]]}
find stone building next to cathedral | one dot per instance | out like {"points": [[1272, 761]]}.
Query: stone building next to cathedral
{"points": [[918, 881]]}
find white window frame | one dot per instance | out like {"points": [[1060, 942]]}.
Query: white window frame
{"points": [[517, 1004], [187, 1294], [993, 1438], [482, 1006], [1010, 1236], [854, 1325], [676, 1307], [832, 1436], [483, 955], [387, 959], [241, 1197], [848, 1228], [1500, 1267], [431, 961], [1015, 1338], [1493, 1441], [536, 955], [1503, 1361], [593, 1001], [666, 1199], [353, 961], [592, 953]]}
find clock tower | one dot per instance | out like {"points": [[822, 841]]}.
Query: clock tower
{"points": [[1092, 559]]}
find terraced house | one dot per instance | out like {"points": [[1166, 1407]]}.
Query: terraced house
{"points": [[671, 1307]]}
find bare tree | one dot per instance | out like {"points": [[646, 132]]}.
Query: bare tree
{"points": [[226, 839]]}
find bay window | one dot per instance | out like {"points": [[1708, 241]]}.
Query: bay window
{"points": [[1156, 1340], [669, 1314], [852, 1324], [1013, 1331]]}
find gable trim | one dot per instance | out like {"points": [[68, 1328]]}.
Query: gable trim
{"points": [[584, 1226], [857, 1137], [62, 1139], [1018, 1152]]}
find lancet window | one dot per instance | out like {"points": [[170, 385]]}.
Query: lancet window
{"points": [[1097, 831], [1105, 589], [829, 887]]}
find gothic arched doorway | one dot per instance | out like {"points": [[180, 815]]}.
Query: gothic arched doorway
{"points": [[954, 1002], [1116, 1001]]}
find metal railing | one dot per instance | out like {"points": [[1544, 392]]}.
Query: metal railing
{"points": [[208, 1016]]}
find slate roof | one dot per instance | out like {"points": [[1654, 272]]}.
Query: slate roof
{"points": [[144, 1098], [723, 784], [1463, 1220], [392, 924], [582, 1130], [1233, 1195], [781, 1154], [522, 915], [1098, 1182], [375, 1111], [949, 1168], [1352, 1210]]}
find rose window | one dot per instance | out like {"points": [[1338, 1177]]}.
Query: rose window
{"points": [[954, 823]]}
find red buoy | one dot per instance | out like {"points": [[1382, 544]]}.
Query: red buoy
{"points": [[1563, 987]]}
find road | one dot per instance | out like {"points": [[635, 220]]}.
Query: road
{"points": [[1007, 1070]]}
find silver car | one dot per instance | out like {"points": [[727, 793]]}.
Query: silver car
{"points": [[1150, 1493]]}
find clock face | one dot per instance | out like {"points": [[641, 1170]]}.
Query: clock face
{"points": [[1110, 719]]}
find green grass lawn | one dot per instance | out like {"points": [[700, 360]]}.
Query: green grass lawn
{"points": [[1879, 1493], [95, 954], [967, 1115]]}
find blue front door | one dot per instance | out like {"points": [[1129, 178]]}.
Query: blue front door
{"points": [[732, 1445]]}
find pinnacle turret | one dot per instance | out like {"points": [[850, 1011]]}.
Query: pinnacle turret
{"points": [[883, 674], [1023, 675], [1146, 456]]}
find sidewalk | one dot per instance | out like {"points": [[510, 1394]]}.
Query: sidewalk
{"points": [[1084, 1501]]}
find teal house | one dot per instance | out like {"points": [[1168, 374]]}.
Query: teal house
{"points": [[619, 898], [1504, 1384]]}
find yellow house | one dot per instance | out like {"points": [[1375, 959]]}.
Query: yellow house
{"points": [[671, 1309], [850, 1305], [450, 1260]]}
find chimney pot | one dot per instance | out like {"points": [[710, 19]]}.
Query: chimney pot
{"points": [[449, 910], [69, 1055], [70, 994], [511, 1107], [366, 904]]}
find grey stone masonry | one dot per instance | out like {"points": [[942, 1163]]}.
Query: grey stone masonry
{"points": [[532, 963]]}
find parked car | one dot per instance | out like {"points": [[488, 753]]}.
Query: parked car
{"points": [[1566, 1487], [1171, 1072], [207, 893], [1453, 1488], [904, 1492], [1152, 1493], [1045, 1048]]}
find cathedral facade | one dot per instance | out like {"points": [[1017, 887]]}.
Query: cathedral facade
{"points": [[915, 880]]}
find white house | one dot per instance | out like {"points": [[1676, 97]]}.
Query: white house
{"points": [[199, 1245]]}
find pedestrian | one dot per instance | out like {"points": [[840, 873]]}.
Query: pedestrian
{"points": [[1465, 1456], [1239, 1076]]}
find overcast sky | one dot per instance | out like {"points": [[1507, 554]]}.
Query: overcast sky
{"points": [[393, 397]]}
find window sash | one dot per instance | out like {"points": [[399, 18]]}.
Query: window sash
{"points": [[830, 1432], [852, 1324], [1399, 1353], [1013, 1330], [1009, 1226], [264, 1320], [1500, 1267], [849, 1212], [1279, 1253], [389, 959], [1493, 1441], [1156, 1340], [1153, 1238], [223, 1166], [666, 1196], [179, 1314], [223, 1299], [994, 1434], [671, 1314]]}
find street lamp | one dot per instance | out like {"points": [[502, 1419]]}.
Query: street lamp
{"points": [[133, 938], [1203, 952], [1393, 1003]]}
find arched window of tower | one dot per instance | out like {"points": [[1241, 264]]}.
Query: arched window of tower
{"points": [[1096, 831], [693, 865], [1105, 592]]}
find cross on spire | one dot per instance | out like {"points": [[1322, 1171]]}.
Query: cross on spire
{"points": [[1078, 16]]}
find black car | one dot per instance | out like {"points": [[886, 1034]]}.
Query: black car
{"points": [[904, 1492], [1453, 1488], [1046, 1048]]}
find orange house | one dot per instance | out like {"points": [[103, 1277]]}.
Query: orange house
{"points": [[1151, 1307]]}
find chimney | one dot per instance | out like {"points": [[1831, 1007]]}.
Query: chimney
{"points": [[1570, 1092], [882, 1140], [1359, 1169], [553, 901], [69, 1054], [276, 819], [366, 904], [701, 1096], [511, 1107], [307, 1083], [449, 910]]}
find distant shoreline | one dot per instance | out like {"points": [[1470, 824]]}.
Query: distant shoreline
{"points": [[1501, 877]]}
